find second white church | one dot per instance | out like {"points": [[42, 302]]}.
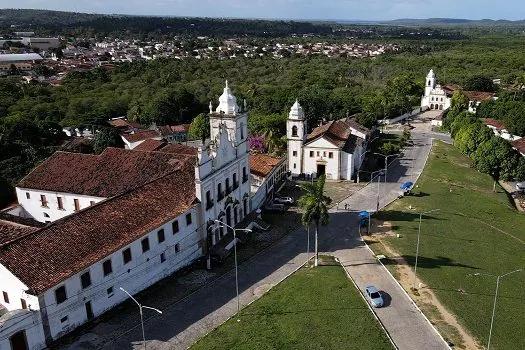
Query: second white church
{"points": [[333, 149]]}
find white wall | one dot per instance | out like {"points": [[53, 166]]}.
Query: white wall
{"points": [[15, 290], [321, 154], [22, 320], [33, 205], [142, 271]]}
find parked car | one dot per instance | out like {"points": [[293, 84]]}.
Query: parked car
{"points": [[520, 187], [284, 200], [374, 296]]}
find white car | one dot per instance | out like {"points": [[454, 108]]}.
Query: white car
{"points": [[374, 296], [520, 187], [284, 200]]}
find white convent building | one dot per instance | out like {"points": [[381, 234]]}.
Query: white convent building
{"points": [[87, 225], [435, 97], [334, 149]]}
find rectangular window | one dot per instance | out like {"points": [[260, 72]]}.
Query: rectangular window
{"points": [[43, 200], [60, 203], [126, 255], [110, 292], [91, 202], [318, 153], [28, 196], [294, 153], [60, 294], [177, 248], [324, 153], [145, 244], [294, 165], [330, 155], [160, 235], [6, 297], [175, 226], [63, 319], [311, 154], [106, 266], [85, 280], [77, 204], [188, 219], [162, 257], [24, 303]]}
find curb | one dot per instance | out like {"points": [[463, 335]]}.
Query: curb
{"points": [[368, 305]]}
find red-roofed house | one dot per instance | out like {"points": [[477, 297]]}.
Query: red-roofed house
{"points": [[136, 138], [265, 172], [498, 128]]}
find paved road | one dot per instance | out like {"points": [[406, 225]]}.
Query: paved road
{"points": [[408, 328], [190, 319]]}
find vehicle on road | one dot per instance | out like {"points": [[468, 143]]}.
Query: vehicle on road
{"points": [[284, 200], [520, 187], [374, 296]]}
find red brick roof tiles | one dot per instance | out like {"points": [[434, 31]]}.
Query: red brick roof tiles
{"points": [[478, 95], [67, 246], [150, 145], [112, 172], [494, 123], [339, 133], [10, 231], [519, 145], [262, 164], [141, 135]]}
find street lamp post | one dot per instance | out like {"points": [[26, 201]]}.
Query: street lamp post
{"points": [[220, 223], [417, 246], [386, 161], [495, 298], [141, 317]]}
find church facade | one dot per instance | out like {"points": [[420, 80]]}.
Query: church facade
{"points": [[333, 149], [435, 97]]}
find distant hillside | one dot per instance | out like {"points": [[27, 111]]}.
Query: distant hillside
{"points": [[455, 22]]}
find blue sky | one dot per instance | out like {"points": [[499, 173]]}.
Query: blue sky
{"points": [[290, 9]]}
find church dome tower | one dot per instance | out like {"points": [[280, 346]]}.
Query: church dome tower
{"points": [[296, 135], [431, 82]]}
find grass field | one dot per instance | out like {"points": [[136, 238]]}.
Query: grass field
{"points": [[475, 231], [315, 308]]}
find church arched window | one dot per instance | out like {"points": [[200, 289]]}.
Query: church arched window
{"points": [[294, 131], [429, 83], [242, 131]]}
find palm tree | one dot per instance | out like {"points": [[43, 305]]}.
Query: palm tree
{"points": [[315, 207]]}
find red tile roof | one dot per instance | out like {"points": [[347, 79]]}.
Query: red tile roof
{"points": [[494, 123], [10, 231], [151, 145], [262, 164], [519, 145], [112, 172], [67, 246], [339, 133], [478, 95], [141, 135], [177, 148], [170, 129]]}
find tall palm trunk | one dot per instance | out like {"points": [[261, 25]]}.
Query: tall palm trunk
{"points": [[316, 250]]}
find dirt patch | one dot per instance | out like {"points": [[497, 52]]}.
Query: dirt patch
{"points": [[437, 314]]}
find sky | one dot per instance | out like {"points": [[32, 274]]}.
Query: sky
{"points": [[290, 9]]}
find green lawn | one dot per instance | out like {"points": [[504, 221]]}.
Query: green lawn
{"points": [[476, 230], [315, 308]]}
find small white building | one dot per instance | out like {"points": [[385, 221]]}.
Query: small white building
{"points": [[333, 149], [435, 96]]}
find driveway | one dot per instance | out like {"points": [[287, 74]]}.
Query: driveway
{"points": [[185, 322]]}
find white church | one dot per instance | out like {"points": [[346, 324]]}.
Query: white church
{"points": [[333, 149], [435, 97], [87, 225]]}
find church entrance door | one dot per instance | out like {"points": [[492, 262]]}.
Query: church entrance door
{"points": [[321, 170]]}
